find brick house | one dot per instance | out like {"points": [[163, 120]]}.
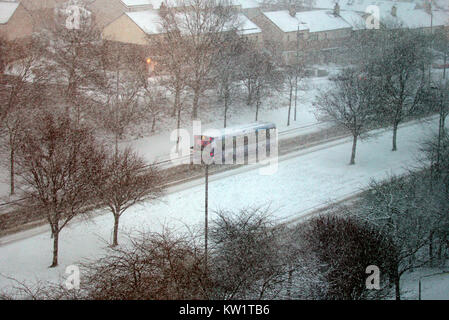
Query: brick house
{"points": [[15, 21]]}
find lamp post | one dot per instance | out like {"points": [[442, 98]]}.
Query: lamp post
{"points": [[431, 39], [206, 216], [296, 70]]}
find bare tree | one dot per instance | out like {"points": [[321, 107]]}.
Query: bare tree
{"points": [[70, 41], [127, 180], [261, 77], [169, 52], [437, 100], [154, 102], [23, 71], [293, 75], [227, 67], [247, 258], [343, 247], [58, 164], [399, 208], [20, 93], [117, 104], [204, 24], [399, 57], [3, 54], [351, 103]]}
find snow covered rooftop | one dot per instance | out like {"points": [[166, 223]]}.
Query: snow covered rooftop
{"points": [[247, 4], [321, 20], [355, 19], [362, 5], [131, 3], [284, 21], [314, 21], [246, 26], [150, 22], [7, 9], [417, 18]]}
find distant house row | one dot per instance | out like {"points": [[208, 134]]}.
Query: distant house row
{"points": [[324, 26], [327, 28]]}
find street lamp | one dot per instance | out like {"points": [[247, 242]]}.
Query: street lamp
{"points": [[150, 64]]}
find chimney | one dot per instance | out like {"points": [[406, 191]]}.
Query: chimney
{"points": [[394, 11], [292, 10], [336, 9]]}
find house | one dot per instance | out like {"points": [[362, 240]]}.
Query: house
{"points": [[106, 11], [15, 21], [135, 27], [250, 8], [362, 5], [305, 31], [415, 19]]}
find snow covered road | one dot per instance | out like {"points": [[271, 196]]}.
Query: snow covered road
{"points": [[304, 180]]}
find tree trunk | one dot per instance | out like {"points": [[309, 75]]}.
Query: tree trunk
{"points": [[395, 132], [153, 125], [115, 237], [445, 62], [196, 97], [431, 248], [441, 242], [225, 110], [289, 285], [257, 109], [176, 102], [11, 170], [249, 99], [55, 235], [290, 106], [354, 146], [206, 216], [116, 144], [296, 95], [397, 286], [178, 126]]}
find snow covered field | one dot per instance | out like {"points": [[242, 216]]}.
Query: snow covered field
{"points": [[304, 180]]}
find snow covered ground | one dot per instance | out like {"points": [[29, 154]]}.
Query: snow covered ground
{"points": [[305, 180], [434, 284], [157, 147]]}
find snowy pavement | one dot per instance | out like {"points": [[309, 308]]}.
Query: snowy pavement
{"points": [[304, 180]]}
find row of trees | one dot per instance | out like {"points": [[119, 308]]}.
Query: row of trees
{"points": [[66, 172], [201, 49], [396, 226], [250, 258], [388, 83]]}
